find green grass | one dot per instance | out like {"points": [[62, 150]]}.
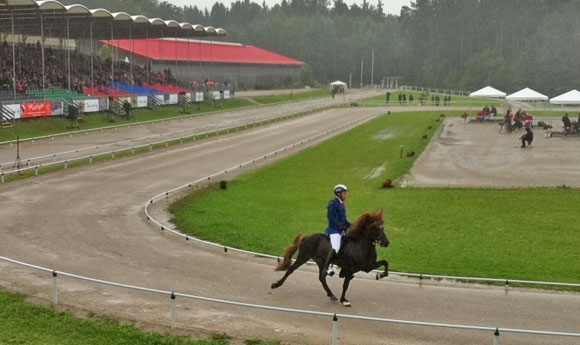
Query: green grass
{"points": [[292, 96], [527, 234], [24, 323], [463, 101]]}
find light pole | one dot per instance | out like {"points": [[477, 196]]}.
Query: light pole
{"points": [[372, 67]]}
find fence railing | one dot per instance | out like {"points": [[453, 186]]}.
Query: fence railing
{"points": [[112, 149]]}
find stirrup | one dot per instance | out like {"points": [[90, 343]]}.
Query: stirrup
{"points": [[330, 271]]}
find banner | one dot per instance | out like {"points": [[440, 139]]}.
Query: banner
{"points": [[173, 99], [15, 108], [141, 101], [56, 108], [31, 110], [91, 105], [103, 103], [227, 94]]}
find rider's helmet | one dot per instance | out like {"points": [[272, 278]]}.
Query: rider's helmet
{"points": [[339, 188]]}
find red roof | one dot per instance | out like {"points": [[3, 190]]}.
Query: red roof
{"points": [[194, 50]]}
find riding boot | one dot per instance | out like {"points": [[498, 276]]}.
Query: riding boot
{"points": [[327, 270]]}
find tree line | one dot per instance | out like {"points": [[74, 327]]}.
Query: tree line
{"points": [[452, 44]]}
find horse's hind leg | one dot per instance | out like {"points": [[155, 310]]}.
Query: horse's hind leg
{"points": [[299, 262], [322, 278]]}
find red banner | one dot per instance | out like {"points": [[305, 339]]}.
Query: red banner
{"points": [[30, 110]]}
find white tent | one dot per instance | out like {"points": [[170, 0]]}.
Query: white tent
{"points": [[570, 97], [526, 94], [338, 83], [488, 92]]}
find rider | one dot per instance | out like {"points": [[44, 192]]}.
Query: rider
{"points": [[337, 225]]}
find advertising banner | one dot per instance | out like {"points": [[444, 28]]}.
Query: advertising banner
{"points": [[15, 108], [173, 99], [31, 110], [56, 108], [199, 97], [216, 95], [103, 103], [91, 105], [141, 101], [227, 94]]}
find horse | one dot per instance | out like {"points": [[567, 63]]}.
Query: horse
{"points": [[357, 253]]}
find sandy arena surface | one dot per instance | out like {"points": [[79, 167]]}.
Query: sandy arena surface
{"points": [[470, 154], [90, 221]]}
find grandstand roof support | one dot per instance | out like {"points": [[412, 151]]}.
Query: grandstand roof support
{"points": [[13, 57], [92, 53], [68, 54], [42, 49]]}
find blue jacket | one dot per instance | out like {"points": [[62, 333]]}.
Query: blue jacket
{"points": [[336, 213]]}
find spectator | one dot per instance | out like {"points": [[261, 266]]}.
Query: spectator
{"points": [[527, 137], [567, 124], [127, 107]]}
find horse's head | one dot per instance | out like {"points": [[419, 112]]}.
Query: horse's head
{"points": [[371, 226]]}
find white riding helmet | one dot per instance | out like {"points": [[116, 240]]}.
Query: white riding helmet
{"points": [[339, 188]]}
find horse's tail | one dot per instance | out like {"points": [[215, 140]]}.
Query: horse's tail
{"points": [[289, 253]]}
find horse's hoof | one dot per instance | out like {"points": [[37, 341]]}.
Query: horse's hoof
{"points": [[274, 285], [333, 299], [346, 303]]}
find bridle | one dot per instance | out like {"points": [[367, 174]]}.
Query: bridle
{"points": [[378, 239]]}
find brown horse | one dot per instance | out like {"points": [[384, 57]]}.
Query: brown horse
{"points": [[357, 253]]}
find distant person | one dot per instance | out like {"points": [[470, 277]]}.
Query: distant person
{"points": [[492, 113], [567, 124], [508, 120], [127, 107], [527, 137]]}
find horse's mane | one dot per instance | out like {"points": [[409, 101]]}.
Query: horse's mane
{"points": [[361, 224]]}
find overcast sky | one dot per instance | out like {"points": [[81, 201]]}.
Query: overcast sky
{"points": [[390, 6]]}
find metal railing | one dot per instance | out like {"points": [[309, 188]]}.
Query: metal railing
{"points": [[65, 158]]}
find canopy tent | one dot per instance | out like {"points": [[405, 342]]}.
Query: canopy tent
{"points": [[526, 94], [337, 87], [488, 92], [338, 83], [570, 97]]}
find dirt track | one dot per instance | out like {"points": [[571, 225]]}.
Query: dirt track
{"points": [[89, 221]]}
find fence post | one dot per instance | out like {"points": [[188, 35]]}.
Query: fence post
{"points": [[496, 337], [54, 288], [334, 330], [173, 312]]}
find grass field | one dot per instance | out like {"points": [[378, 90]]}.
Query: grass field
{"points": [[517, 234], [24, 323]]}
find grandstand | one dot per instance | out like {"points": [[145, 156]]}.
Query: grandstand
{"points": [[44, 57]]}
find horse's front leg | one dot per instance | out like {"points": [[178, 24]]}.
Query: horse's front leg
{"points": [[385, 273], [348, 277]]}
